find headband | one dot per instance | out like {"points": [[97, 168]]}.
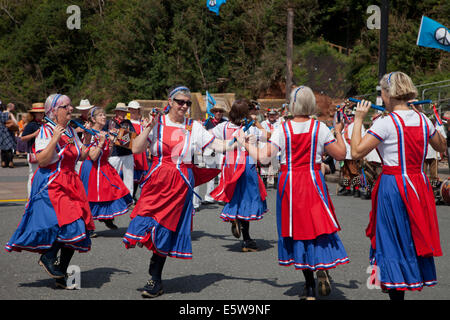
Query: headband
{"points": [[389, 79], [177, 89], [295, 94], [50, 109], [91, 113]]}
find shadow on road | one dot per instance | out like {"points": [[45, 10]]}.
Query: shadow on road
{"points": [[197, 283], [94, 278]]}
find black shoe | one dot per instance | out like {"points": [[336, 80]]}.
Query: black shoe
{"points": [[50, 267], [236, 228], [323, 283], [249, 246], [344, 192], [357, 193], [92, 234], [152, 289], [366, 195], [109, 223], [309, 293]]}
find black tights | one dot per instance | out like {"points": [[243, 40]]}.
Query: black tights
{"points": [[7, 156], [309, 278], [396, 295], [156, 266], [66, 255], [245, 229]]}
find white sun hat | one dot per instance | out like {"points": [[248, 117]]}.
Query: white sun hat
{"points": [[134, 105], [84, 105]]}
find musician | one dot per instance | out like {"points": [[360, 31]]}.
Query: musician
{"points": [[351, 170], [83, 108], [107, 194], [121, 158], [240, 186], [270, 170], [140, 160], [306, 222], [403, 226], [57, 215], [162, 217], [431, 164]]}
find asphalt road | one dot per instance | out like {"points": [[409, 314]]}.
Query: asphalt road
{"points": [[218, 270]]}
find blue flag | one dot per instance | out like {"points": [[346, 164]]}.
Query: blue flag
{"points": [[210, 103], [433, 35], [214, 5]]}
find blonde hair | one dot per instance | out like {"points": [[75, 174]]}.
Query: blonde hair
{"points": [[95, 111], [399, 86], [302, 102]]}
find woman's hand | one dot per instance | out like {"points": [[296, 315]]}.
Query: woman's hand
{"points": [[338, 126], [58, 132], [417, 107], [362, 108], [240, 137]]}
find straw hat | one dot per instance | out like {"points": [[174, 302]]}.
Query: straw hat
{"points": [[121, 107], [84, 105], [37, 107]]}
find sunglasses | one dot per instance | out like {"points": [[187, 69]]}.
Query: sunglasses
{"points": [[183, 102], [64, 107]]}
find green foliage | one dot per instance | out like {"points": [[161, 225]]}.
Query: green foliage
{"points": [[137, 49]]}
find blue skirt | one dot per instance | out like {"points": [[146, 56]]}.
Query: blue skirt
{"points": [[398, 266], [246, 203], [39, 228], [148, 232], [110, 209], [324, 252]]}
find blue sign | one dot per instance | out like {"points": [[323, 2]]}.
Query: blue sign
{"points": [[433, 35]]}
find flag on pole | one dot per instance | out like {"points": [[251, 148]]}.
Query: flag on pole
{"points": [[214, 5], [210, 103], [433, 35]]}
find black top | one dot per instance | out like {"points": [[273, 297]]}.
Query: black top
{"points": [[210, 125], [118, 151], [30, 128]]}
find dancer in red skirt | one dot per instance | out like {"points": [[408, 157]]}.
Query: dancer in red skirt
{"points": [[307, 223], [162, 217], [107, 194], [403, 227], [57, 216]]}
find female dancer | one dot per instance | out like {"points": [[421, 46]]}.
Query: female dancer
{"points": [[162, 217], [403, 226], [57, 216], [240, 186], [107, 194], [307, 224]]}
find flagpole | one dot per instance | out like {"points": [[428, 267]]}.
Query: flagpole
{"points": [[289, 50], [382, 61]]}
